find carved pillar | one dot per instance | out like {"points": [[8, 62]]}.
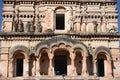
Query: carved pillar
{"points": [[38, 67], [84, 66], [95, 67], [73, 69], [11, 68], [26, 67], [50, 73]]}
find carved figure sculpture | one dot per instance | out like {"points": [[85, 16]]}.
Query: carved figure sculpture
{"points": [[39, 26], [28, 26], [3, 26], [71, 21], [90, 48], [21, 26], [31, 27], [95, 26], [113, 30], [15, 25]]}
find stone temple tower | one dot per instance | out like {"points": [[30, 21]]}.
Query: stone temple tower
{"points": [[59, 39]]}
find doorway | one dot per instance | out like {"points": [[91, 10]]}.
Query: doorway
{"points": [[19, 67], [101, 67], [60, 63]]}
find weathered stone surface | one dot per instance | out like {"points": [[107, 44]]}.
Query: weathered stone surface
{"points": [[84, 47]]}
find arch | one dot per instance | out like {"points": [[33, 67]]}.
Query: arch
{"points": [[60, 7], [57, 40], [44, 63], [104, 50], [17, 48], [61, 61], [18, 64]]}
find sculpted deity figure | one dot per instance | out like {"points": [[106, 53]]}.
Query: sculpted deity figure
{"points": [[30, 26], [21, 26], [39, 26], [113, 30], [71, 20], [15, 25], [3, 26], [95, 26]]}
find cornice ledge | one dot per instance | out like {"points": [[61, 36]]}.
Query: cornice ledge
{"points": [[55, 34]]}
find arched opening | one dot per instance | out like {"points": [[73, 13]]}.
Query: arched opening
{"points": [[44, 63], [101, 64], [78, 62], [101, 67], [61, 62], [18, 64], [60, 18]]}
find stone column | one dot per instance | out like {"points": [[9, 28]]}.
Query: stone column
{"points": [[38, 67], [84, 66], [26, 67], [95, 67], [73, 69], [50, 73], [11, 68]]}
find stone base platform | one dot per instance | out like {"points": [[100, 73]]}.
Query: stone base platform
{"points": [[60, 78]]}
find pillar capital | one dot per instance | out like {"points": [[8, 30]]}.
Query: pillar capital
{"points": [[50, 56], [72, 56]]}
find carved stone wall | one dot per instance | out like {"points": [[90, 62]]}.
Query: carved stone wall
{"points": [[90, 34], [79, 16]]}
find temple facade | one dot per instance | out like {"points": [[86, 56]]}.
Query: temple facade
{"points": [[75, 38]]}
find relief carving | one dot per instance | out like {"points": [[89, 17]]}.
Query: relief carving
{"points": [[113, 30], [21, 26], [71, 20], [30, 26], [95, 26], [15, 25], [39, 26]]}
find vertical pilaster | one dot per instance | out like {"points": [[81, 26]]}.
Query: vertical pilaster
{"points": [[73, 71], [109, 70], [95, 67], [26, 67], [11, 68], [50, 73], [84, 66], [38, 67]]}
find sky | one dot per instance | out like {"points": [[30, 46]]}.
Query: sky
{"points": [[118, 7]]}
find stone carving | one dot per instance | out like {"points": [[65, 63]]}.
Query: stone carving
{"points": [[95, 26], [21, 26], [3, 26], [83, 10], [30, 26], [71, 21], [90, 48], [15, 25], [39, 26], [49, 31], [113, 30]]}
